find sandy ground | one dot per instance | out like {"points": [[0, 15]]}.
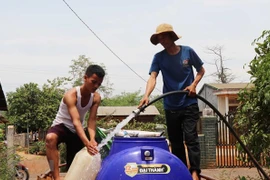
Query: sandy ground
{"points": [[233, 173], [37, 165]]}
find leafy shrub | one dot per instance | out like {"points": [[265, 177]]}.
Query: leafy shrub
{"points": [[38, 147], [6, 172], [63, 155]]}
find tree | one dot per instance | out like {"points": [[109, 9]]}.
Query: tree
{"points": [[23, 105], [252, 117], [124, 99], [222, 74], [59, 82], [30, 106], [50, 99], [77, 72], [33, 108]]}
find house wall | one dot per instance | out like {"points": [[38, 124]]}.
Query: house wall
{"points": [[208, 94], [223, 104], [227, 103]]}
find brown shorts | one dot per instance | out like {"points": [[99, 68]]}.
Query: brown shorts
{"points": [[72, 141]]}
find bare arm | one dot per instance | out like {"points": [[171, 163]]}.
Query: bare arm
{"points": [[70, 99], [91, 123], [151, 83], [192, 88]]}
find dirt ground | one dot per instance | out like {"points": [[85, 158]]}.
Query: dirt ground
{"points": [[38, 164], [233, 173]]}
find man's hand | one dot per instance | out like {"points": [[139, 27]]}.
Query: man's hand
{"points": [[92, 147], [191, 89], [143, 101]]}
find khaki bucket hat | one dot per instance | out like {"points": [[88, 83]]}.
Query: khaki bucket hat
{"points": [[162, 28]]}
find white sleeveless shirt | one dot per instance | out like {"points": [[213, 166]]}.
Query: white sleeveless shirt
{"points": [[63, 115]]}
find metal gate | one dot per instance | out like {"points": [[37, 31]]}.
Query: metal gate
{"points": [[226, 153]]}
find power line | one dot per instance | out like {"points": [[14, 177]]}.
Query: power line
{"points": [[19, 69], [103, 41]]}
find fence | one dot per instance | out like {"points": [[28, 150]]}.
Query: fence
{"points": [[227, 155], [218, 145]]}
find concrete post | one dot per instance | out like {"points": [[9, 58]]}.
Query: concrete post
{"points": [[10, 150]]}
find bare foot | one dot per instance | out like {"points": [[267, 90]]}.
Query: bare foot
{"points": [[195, 176]]}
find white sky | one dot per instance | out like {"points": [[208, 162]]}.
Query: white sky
{"points": [[39, 38]]}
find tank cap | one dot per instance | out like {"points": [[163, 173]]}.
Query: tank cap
{"points": [[147, 153]]}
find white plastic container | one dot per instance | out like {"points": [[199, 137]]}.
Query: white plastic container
{"points": [[83, 167]]}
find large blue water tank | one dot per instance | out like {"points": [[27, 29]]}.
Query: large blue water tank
{"points": [[142, 159]]}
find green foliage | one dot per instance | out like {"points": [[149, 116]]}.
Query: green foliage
{"points": [[133, 99], [78, 69], [30, 106], [33, 149], [77, 72], [50, 99], [2, 132], [38, 147], [58, 82], [124, 99], [142, 126], [5, 156], [63, 154], [23, 105], [33, 107], [253, 120]]}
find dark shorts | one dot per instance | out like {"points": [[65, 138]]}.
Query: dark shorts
{"points": [[72, 141]]}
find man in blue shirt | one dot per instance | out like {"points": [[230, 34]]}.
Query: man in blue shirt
{"points": [[182, 113]]}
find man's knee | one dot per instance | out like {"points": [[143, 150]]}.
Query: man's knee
{"points": [[51, 140]]}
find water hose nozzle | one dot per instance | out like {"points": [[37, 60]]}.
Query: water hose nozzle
{"points": [[137, 111]]}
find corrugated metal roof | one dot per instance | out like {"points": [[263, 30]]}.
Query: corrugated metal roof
{"points": [[125, 110], [219, 86]]}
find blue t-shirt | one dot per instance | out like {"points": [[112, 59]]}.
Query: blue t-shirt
{"points": [[177, 74]]}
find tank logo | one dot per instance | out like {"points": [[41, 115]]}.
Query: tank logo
{"points": [[133, 169]]}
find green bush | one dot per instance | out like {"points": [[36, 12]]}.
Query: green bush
{"points": [[33, 149], [38, 147], [63, 155], [2, 135], [5, 172]]}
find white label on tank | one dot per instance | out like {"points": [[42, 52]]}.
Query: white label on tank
{"points": [[133, 169]]}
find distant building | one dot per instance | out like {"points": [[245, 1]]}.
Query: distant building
{"points": [[121, 112], [221, 96]]}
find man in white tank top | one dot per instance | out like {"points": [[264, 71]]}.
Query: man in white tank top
{"points": [[67, 126]]}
